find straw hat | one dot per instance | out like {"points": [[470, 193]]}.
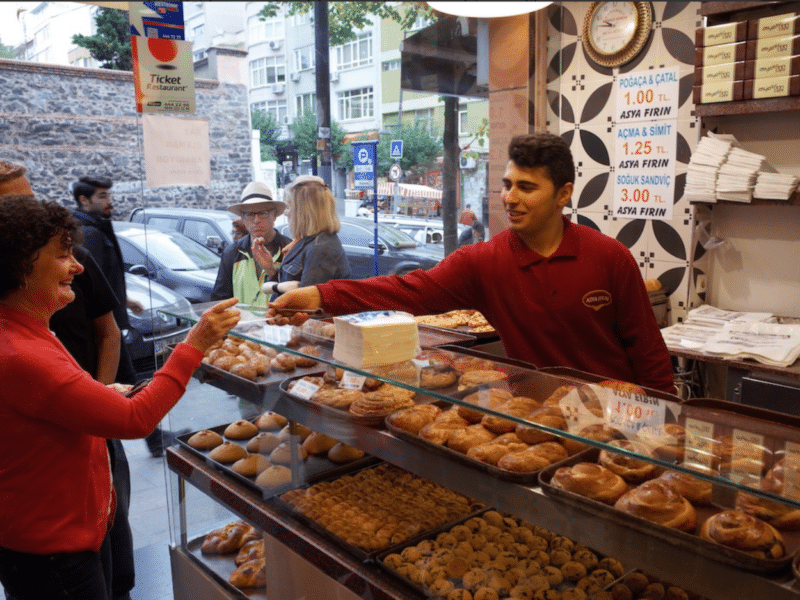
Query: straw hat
{"points": [[257, 197]]}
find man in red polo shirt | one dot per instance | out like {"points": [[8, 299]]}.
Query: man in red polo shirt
{"points": [[558, 293]]}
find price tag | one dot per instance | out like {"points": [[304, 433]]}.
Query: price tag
{"points": [[304, 389], [791, 471], [699, 450], [629, 412], [577, 416], [747, 457], [352, 381]]}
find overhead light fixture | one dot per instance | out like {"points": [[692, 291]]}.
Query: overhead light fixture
{"points": [[486, 10]]}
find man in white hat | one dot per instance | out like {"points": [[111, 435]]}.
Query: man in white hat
{"points": [[255, 258]]}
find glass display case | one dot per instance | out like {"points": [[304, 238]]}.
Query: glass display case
{"points": [[535, 445]]}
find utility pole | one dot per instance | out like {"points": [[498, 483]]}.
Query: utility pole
{"points": [[450, 174], [322, 51]]}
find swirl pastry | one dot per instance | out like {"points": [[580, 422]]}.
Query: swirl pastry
{"points": [[598, 431], [549, 417], [655, 501], [590, 480], [666, 441], [740, 456], [622, 386], [736, 529], [630, 469], [774, 512], [695, 490], [519, 406]]}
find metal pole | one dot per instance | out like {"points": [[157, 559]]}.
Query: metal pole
{"points": [[321, 49], [396, 202]]}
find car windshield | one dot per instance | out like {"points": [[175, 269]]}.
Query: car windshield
{"points": [[397, 238], [177, 252]]}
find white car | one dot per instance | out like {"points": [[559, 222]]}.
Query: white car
{"points": [[424, 231]]}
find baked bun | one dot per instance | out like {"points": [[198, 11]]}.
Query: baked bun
{"points": [[462, 440], [251, 465], [342, 453], [534, 458], [318, 443], [472, 379], [269, 421], [590, 480], [665, 441], [383, 401], [264, 442], [598, 431], [227, 452], [415, 418], [337, 397], [283, 362], [437, 377], [774, 512], [229, 539], [250, 551], [244, 370], [655, 501], [300, 430], [632, 470], [518, 406], [695, 490], [443, 427], [492, 398], [305, 362], [241, 430], [205, 440], [547, 416], [735, 529], [282, 455], [251, 574], [492, 451], [274, 476], [622, 386]]}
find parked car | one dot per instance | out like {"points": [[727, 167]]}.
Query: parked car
{"points": [[424, 231], [170, 258], [212, 228], [152, 331], [398, 253]]}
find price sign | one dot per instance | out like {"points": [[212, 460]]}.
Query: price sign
{"points": [[630, 412], [304, 389], [791, 471], [645, 140], [699, 444], [747, 458], [352, 381]]}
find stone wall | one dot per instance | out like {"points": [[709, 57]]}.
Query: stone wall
{"points": [[65, 122]]}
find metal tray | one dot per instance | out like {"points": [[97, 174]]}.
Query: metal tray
{"points": [[312, 469], [221, 567], [361, 554], [691, 543]]}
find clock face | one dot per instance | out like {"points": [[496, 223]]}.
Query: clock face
{"points": [[615, 32]]}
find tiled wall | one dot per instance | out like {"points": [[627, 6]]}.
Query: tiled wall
{"points": [[581, 98]]}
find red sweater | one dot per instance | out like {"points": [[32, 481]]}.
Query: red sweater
{"points": [[55, 482], [584, 307]]}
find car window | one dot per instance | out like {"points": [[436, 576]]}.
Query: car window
{"points": [[396, 238], [353, 235], [131, 255], [164, 223], [177, 252], [199, 231]]}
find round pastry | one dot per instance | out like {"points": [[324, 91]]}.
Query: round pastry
{"points": [[240, 430], [440, 430], [337, 397], [261, 363], [244, 370], [630, 469], [697, 491], [274, 476], [478, 377], [519, 406], [465, 364], [598, 431], [622, 386], [491, 452], [620, 591], [461, 440], [415, 418], [492, 398], [264, 442], [205, 440], [437, 377], [535, 458], [382, 401], [225, 361], [441, 587], [666, 441], [774, 512], [572, 570], [251, 465], [269, 421], [283, 362], [300, 430], [547, 416], [318, 443], [342, 453], [655, 501], [590, 480], [282, 455], [612, 565], [227, 452], [305, 362], [736, 529]]}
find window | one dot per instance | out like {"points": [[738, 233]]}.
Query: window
{"points": [[306, 103], [42, 35], [356, 104], [420, 23], [198, 30], [271, 29], [463, 122], [303, 19], [304, 58], [264, 71], [164, 222], [356, 53], [198, 55], [391, 65], [277, 108]]}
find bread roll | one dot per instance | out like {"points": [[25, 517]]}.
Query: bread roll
{"points": [[274, 476], [632, 470], [251, 465], [269, 420], [229, 539], [318, 443], [244, 370], [472, 379], [535, 458], [461, 440], [549, 417], [240, 430], [415, 418], [492, 398], [342, 453], [695, 490], [305, 362], [590, 480], [283, 362], [655, 501], [205, 440], [735, 529], [282, 455], [622, 386], [665, 441], [491, 452], [227, 452], [264, 442]]}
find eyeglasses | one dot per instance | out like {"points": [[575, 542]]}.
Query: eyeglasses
{"points": [[264, 214]]}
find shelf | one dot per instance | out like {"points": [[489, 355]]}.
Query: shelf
{"points": [[746, 107], [794, 200], [719, 9]]}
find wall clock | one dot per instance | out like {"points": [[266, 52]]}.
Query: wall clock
{"points": [[614, 33]]}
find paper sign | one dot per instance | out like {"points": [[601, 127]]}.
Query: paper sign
{"points": [[304, 389], [699, 444], [352, 381], [163, 75], [629, 412], [176, 151]]}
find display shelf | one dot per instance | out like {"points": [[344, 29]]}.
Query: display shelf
{"points": [[793, 200], [747, 107], [727, 11]]}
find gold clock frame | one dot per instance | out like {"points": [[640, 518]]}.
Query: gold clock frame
{"points": [[644, 22]]}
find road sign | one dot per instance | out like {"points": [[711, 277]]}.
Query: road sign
{"points": [[396, 149], [395, 171], [364, 164]]}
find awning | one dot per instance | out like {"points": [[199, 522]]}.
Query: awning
{"points": [[407, 190]]}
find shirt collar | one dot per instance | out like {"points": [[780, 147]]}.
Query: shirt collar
{"points": [[568, 248]]}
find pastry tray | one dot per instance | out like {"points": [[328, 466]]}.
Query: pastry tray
{"points": [[359, 553], [568, 374], [312, 469], [692, 543], [221, 567], [379, 558]]}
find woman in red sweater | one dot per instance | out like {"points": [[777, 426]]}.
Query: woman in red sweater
{"points": [[56, 498]]}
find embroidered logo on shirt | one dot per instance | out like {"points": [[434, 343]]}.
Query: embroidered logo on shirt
{"points": [[597, 299]]}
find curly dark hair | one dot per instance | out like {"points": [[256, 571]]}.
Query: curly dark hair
{"points": [[544, 150], [28, 226]]}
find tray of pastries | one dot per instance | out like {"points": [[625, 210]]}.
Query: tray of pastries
{"points": [[492, 555], [376, 508], [671, 505], [258, 452], [469, 321], [637, 585]]}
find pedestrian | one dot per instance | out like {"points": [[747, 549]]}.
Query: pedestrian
{"points": [[256, 257], [472, 235], [558, 293], [467, 217]]}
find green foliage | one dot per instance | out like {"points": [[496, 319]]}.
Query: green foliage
{"points": [[346, 18], [6, 51], [420, 150], [479, 137], [269, 131], [304, 138], [112, 43]]}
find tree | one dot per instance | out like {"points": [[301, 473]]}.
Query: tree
{"points": [[269, 131], [304, 137], [6, 51], [111, 45]]}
